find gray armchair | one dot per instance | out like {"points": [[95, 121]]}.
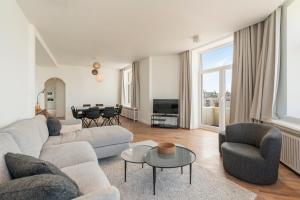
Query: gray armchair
{"points": [[251, 152]]}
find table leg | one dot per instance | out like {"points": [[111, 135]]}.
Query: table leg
{"points": [[181, 170], [154, 179], [191, 173], [142, 165], [125, 169], [161, 169]]}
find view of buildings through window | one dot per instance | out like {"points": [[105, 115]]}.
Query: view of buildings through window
{"points": [[128, 86], [216, 85]]}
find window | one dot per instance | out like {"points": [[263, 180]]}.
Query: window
{"points": [[288, 98], [216, 85], [128, 86]]}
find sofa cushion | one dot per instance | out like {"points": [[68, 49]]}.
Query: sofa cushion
{"points": [[27, 135], [20, 166], [89, 176], [68, 154], [70, 125], [54, 126], [41, 123], [7, 144], [241, 150], [50, 187], [97, 136]]}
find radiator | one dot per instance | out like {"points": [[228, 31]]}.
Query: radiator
{"points": [[131, 113], [290, 152]]}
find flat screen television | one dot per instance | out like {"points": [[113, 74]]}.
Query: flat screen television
{"points": [[165, 106]]}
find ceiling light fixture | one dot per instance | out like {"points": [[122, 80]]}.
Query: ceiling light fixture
{"points": [[96, 65], [96, 71], [196, 38]]}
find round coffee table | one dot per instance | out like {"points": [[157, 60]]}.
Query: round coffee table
{"points": [[134, 155], [182, 157]]}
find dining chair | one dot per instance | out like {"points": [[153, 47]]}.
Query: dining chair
{"points": [[108, 115], [79, 115], [99, 105], [86, 105], [118, 112], [93, 114]]}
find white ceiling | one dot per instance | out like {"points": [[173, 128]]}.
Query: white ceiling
{"points": [[116, 32]]}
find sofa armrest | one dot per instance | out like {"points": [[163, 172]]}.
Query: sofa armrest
{"points": [[270, 147], [111, 193]]}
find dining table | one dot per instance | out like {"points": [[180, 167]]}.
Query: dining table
{"points": [[82, 109]]}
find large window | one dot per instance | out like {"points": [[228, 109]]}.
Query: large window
{"points": [[216, 85], [128, 86], [288, 99]]}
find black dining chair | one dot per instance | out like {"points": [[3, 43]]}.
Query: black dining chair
{"points": [[93, 114], [79, 115], [108, 115], [99, 105], [86, 105], [118, 112]]}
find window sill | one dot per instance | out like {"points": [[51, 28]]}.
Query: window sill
{"points": [[287, 125], [129, 107]]}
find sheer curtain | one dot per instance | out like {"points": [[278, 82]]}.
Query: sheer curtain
{"points": [[122, 86], [253, 72], [185, 89], [135, 103]]}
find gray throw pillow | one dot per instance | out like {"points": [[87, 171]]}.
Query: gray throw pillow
{"points": [[54, 126], [45, 186], [20, 166]]}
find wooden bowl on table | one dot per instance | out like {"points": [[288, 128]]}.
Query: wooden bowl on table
{"points": [[166, 148]]}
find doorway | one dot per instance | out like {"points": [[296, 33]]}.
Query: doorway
{"points": [[55, 97]]}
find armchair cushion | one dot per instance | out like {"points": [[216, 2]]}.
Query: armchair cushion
{"points": [[246, 133]]}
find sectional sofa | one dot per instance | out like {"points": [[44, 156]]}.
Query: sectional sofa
{"points": [[76, 153]]}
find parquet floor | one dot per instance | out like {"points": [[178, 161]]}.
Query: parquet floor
{"points": [[205, 145]]}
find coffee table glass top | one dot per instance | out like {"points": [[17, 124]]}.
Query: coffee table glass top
{"points": [[135, 154], [180, 158]]}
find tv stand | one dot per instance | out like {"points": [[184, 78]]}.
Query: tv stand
{"points": [[165, 120]]}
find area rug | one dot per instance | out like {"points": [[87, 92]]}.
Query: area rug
{"points": [[170, 183]]}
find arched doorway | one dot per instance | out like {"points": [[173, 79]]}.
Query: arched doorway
{"points": [[55, 97]]}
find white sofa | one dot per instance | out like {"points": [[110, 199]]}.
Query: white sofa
{"points": [[73, 153]]}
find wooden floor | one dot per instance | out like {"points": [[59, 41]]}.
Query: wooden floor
{"points": [[205, 145]]}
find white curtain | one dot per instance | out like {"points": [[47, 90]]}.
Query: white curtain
{"points": [[253, 72], [122, 86], [135, 103], [185, 89]]}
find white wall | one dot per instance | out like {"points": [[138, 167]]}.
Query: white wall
{"points": [[17, 46], [159, 79], [293, 61], [165, 77], [81, 85]]}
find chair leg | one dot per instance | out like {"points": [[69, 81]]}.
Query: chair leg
{"points": [[89, 123], [119, 122], [94, 120], [110, 122], [104, 122], [83, 122]]}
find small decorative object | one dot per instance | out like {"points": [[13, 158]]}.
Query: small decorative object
{"points": [[37, 106], [94, 72], [166, 148], [99, 78], [96, 65]]}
